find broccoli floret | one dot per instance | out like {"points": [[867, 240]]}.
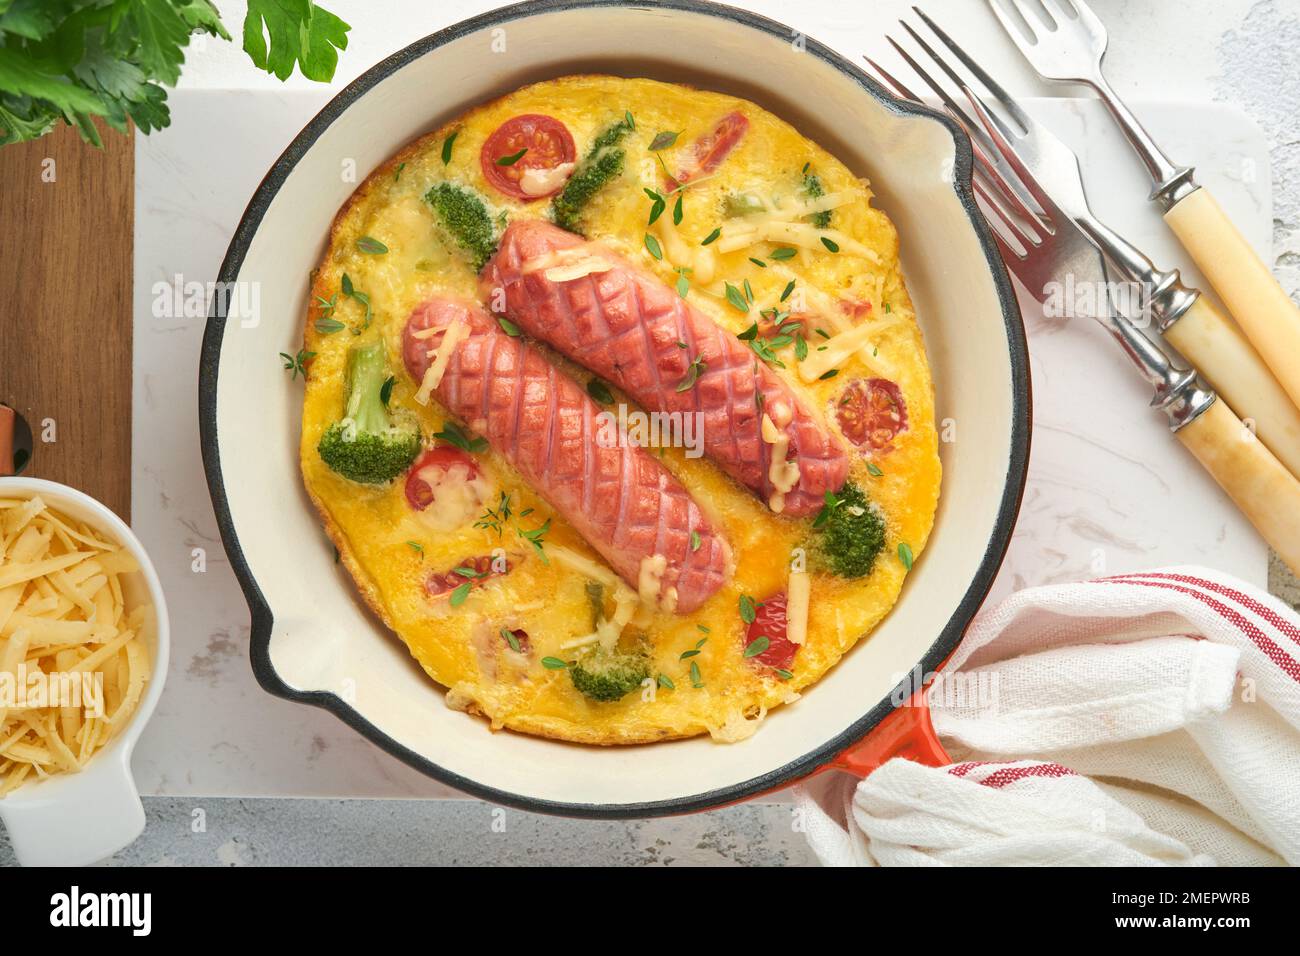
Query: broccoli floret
{"points": [[603, 162], [464, 215], [741, 204], [852, 533], [366, 445], [607, 675], [813, 189]]}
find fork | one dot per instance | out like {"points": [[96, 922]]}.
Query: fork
{"points": [[1042, 243], [1065, 41]]}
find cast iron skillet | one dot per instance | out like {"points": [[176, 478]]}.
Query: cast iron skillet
{"points": [[907, 731]]}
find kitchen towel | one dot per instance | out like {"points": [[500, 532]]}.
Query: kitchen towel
{"points": [[1144, 719]]}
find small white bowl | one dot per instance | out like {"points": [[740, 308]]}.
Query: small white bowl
{"points": [[72, 819]]}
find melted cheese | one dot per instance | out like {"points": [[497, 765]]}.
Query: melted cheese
{"points": [[457, 332], [797, 593], [543, 182]]}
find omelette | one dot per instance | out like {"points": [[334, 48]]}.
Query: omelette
{"points": [[617, 410]]}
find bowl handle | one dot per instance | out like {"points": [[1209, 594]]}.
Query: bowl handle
{"points": [[907, 733], [77, 819]]}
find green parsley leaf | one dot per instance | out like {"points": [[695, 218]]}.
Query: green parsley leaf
{"points": [[664, 141], [652, 246], [600, 392], [905, 554], [447, 145], [747, 609]]}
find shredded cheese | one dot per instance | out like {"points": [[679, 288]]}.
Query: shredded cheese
{"points": [[783, 475], [457, 332], [543, 182], [797, 593], [834, 351], [583, 565], [650, 578]]}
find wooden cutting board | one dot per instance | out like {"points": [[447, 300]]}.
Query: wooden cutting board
{"points": [[66, 220]]}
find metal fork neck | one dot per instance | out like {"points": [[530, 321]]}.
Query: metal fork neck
{"points": [[1163, 293], [1171, 183]]}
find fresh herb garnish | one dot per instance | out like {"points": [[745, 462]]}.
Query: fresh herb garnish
{"points": [[453, 435], [757, 646], [447, 145], [494, 519], [652, 246], [599, 391], [371, 246], [693, 372], [711, 236], [677, 210], [683, 284], [664, 141], [416, 547], [696, 679], [329, 326], [736, 298], [788, 289], [828, 375], [397, 173], [509, 637], [356, 295], [830, 244], [905, 554], [555, 664], [657, 206], [800, 348], [512, 158], [747, 609], [460, 593], [665, 681], [297, 363], [508, 327], [386, 390], [782, 253], [874, 470], [536, 537], [695, 540]]}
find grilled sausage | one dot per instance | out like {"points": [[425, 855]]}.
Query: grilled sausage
{"points": [[628, 327], [622, 499]]}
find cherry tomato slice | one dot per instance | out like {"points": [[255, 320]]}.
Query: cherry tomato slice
{"points": [[439, 583], [546, 142], [712, 148], [430, 468], [770, 622], [871, 413]]}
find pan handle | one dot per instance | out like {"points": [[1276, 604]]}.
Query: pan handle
{"points": [[907, 732]]}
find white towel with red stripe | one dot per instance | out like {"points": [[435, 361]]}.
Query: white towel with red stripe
{"points": [[1146, 719]]}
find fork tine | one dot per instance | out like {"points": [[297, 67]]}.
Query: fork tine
{"points": [[1002, 96], [1033, 19], [960, 114], [1027, 180], [1009, 251], [1018, 229], [1087, 17], [1014, 30], [891, 80], [948, 71]]}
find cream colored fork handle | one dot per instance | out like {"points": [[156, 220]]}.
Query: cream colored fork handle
{"points": [[1218, 350], [1263, 310], [1262, 489]]}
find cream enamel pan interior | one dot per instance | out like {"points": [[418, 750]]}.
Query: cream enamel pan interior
{"points": [[312, 639]]}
